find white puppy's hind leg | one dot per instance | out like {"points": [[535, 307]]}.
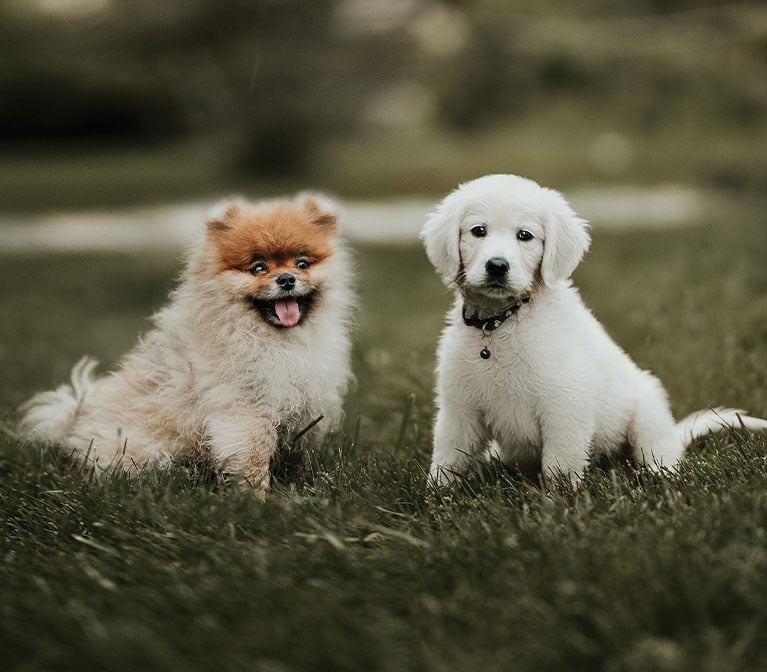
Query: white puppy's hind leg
{"points": [[652, 435], [458, 438]]}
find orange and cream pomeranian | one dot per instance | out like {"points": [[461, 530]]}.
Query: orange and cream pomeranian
{"points": [[253, 347]]}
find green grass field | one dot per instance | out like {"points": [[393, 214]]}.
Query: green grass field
{"points": [[358, 567]]}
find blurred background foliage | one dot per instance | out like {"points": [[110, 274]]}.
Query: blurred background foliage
{"points": [[372, 97]]}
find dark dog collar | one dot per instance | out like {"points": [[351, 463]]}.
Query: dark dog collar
{"points": [[491, 323], [494, 321]]}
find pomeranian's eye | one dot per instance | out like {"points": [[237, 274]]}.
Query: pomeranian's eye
{"points": [[479, 231], [524, 235], [303, 264], [258, 267]]}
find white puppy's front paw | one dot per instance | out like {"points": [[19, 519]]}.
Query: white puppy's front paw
{"points": [[442, 476]]}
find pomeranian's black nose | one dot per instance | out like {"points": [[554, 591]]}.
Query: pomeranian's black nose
{"points": [[286, 281], [497, 267]]}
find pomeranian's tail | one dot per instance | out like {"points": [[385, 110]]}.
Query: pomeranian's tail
{"points": [[49, 415], [701, 423]]}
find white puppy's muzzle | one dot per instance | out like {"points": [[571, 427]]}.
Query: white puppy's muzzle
{"points": [[497, 274]]}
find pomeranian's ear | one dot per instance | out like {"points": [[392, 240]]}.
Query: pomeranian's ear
{"points": [[223, 216], [441, 238], [321, 208], [567, 239]]}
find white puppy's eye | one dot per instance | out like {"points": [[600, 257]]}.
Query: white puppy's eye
{"points": [[524, 235], [479, 231], [303, 264], [258, 267]]}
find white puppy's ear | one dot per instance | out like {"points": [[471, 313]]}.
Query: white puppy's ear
{"points": [[567, 239], [441, 238]]}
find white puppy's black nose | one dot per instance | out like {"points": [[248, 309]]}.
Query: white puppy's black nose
{"points": [[497, 267], [286, 281]]}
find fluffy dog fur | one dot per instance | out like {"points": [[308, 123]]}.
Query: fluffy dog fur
{"points": [[555, 389], [253, 346]]}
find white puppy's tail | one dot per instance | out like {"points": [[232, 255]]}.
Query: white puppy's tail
{"points": [[701, 423], [49, 415]]}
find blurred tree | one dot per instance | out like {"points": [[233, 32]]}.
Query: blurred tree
{"points": [[639, 57], [483, 82], [262, 85], [261, 82]]}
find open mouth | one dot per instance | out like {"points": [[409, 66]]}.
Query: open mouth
{"points": [[286, 312]]}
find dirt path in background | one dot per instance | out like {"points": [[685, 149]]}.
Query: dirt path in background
{"points": [[175, 225]]}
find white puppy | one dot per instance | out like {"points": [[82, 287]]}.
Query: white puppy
{"points": [[522, 361]]}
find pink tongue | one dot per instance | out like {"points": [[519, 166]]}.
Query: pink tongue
{"points": [[287, 312]]}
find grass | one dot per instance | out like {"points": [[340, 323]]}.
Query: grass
{"points": [[359, 567], [553, 146], [95, 176]]}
